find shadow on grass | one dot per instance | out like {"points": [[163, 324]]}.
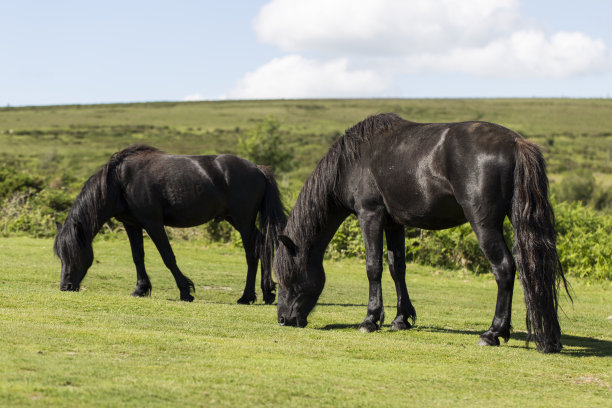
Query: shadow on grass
{"points": [[585, 346], [582, 346]]}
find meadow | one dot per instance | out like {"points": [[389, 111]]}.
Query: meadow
{"points": [[102, 347]]}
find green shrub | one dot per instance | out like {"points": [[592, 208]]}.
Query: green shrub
{"points": [[14, 181], [347, 241], [583, 240], [581, 186], [265, 145]]}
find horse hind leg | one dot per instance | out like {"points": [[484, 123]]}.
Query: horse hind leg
{"points": [[248, 242], [143, 284], [160, 239], [268, 287], [493, 245]]}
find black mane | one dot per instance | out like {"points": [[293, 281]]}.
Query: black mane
{"points": [[310, 212], [81, 224]]}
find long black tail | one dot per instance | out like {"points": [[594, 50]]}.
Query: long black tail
{"points": [[272, 220], [535, 247]]}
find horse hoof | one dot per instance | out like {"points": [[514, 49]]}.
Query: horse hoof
{"points": [[269, 298], [486, 341], [400, 325], [368, 327], [187, 298], [141, 292], [246, 300]]}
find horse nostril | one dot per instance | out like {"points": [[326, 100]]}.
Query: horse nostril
{"points": [[69, 286], [281, 320]]}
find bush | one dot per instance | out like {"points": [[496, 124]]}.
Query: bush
{"points": [[265, 145], [581, 186], [14, 181], [583, 241], [23, 213]]}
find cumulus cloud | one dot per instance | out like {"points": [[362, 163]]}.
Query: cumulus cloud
{"points": [[382, 27], [358, 47], [523, 54], [294, 76]]}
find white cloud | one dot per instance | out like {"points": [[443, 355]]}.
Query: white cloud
{"points": [[193, 98], [523, 54], [294, 76], [382, 27], [360, 47]]}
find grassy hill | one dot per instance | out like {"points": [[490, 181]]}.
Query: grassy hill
{"points": [[575, 133]]}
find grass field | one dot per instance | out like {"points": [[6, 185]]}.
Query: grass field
{"points": [[101, 347]]}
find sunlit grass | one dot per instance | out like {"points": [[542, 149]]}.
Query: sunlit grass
{"points": [[101, 347]]}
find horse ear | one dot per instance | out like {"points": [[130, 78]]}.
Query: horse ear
{"points": [[289, 244]]}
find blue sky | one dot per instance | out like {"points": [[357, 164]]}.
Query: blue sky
{"points": [[65, 52]]}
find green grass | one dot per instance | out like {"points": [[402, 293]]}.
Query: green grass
{"points": [[101, 347]]}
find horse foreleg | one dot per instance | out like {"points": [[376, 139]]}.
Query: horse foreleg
{"points": [[397, 266], [494, 247], [160, 239], [372, 230], [248, 242], [143, 284]]}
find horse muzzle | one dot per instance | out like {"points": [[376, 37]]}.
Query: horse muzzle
{"points": [[292, 321], [69, 287]]}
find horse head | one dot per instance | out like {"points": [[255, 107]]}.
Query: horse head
{"points": [[300, 283], [76, 254]]}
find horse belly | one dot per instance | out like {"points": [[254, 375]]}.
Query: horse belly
{"points": [[426, 203], [192, 204], [440, 213]]}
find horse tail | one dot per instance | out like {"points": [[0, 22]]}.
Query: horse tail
{"points": [[540, 270], [272, 220]]}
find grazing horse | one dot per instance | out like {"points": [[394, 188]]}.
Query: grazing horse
{"points": [[392, 173], [146, 189]]}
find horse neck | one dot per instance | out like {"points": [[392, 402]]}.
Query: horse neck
{"points": [[92, 209], [315, 234]]}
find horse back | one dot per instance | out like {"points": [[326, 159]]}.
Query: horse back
{"points": [[431, 175], [185, 191]]}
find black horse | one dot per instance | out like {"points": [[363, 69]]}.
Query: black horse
{"points": [[145, 188], [392, 173]]}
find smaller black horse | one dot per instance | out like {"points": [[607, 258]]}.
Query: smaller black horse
{"points": [[144, 188]]}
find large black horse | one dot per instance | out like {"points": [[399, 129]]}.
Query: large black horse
{"points": [[145, 188], [391, 172]]}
